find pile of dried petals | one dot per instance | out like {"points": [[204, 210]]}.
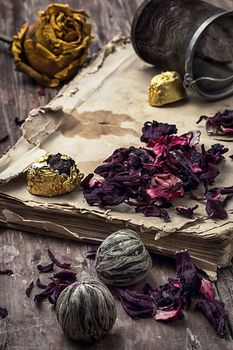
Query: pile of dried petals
{"points": [[151, 177], [170, 300], [59, 281], [3, 311]]}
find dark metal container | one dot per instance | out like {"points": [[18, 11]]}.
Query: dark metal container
{"points": [[191, 37]]}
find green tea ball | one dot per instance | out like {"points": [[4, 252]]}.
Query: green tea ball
{"points": [[122, 259], [86, 310]]}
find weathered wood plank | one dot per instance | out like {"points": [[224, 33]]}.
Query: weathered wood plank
{"points": [[31, 327], [28, 327]]}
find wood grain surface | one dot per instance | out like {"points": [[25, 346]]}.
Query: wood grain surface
{"points": [[28, 327]]}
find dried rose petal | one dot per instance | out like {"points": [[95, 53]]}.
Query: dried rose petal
{"points": [[40, 285], [45, 268], [46, 292], [214, 207], [41, 91], [136, 305], [153, 131], [207, 289], [4, 138], [188, 212], [29, 289], [153, 210], [216, 314], [219, 124], [3, 312], [188, 275], [66, 275], [165, 186], [168, 315], [57, 262], [6, 272], [19, 121]]}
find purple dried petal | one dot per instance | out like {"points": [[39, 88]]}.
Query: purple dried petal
{"points": [[188, 275], [137, 305], [168, 295], [207, 289], [4, 138], [19, 121], [40, 285], [45, 268], [66, 275], [153, 210], [202, 117], [215, 312], [219, 124], [46, 292], [153, 131], [168, 315], [57, 262], [29, 289], [165, 186], [3, 312], [214, 207], [215, 153], [41, 91], [57, 291], [6, 272], [188, 212], [91, 253]]}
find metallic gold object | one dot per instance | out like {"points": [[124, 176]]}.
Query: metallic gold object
{"points": [[166, 88], [54, 46], [53, 175]]}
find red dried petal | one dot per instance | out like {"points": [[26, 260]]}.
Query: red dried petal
{"points": [[29, 289], [168, 315], [3, 312], [219, 124], [188, 212], [66, 275], [4, 138], [57, 262], [207, 289], [46, 292], [165, 186], [215, 312], [135, 304], [40, 285], [6, 272], [45, 268]]}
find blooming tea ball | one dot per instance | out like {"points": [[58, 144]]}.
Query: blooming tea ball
{"points": [[122, 259], [86, 310]]}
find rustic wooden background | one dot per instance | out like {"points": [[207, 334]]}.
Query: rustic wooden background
{"points": [[28, 327]]}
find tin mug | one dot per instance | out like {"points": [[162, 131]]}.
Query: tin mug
{"points": [[191, 37]]}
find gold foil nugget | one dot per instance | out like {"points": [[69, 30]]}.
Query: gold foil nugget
{"points": [[52, 175], [166, 88]]}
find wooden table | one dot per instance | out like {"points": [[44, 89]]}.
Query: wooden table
{"points": [[28, 327]]}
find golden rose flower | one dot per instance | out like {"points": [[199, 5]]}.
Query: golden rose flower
{"points": [[54, 46]]}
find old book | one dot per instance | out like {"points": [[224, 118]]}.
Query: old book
{"points": [[102, 109]]}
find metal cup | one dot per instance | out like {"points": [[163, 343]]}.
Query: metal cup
{"points": [[191, 37]]}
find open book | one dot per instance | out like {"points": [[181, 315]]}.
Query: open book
{"points": [[102, 109]]}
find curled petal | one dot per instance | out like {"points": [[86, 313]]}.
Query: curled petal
{"points": [[215, 312]]}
